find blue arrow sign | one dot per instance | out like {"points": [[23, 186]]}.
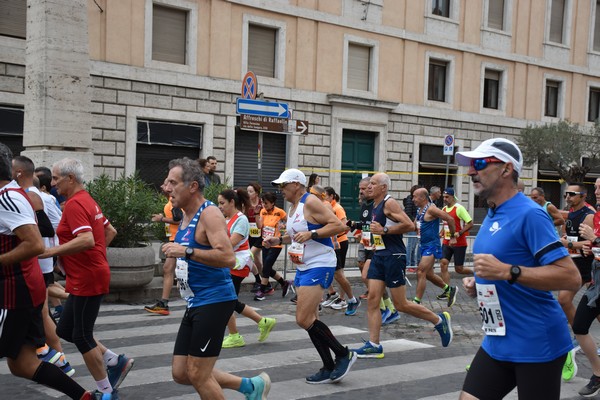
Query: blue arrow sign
{"points": [[262, 108]]}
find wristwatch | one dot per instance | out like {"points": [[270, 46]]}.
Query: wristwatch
{"points": [[596, 241], [515, 272], [570, 245], [314, 234], [188, 252], [385, 230]]}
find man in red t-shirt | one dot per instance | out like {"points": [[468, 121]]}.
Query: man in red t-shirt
{"points": [[22, 289], [83, 235]]}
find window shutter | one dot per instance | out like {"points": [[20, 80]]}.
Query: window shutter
{"points": [[169, 33], [557, 14], [261, 50], [597, 28], [496, 14], [13, 18], [359, 58]]}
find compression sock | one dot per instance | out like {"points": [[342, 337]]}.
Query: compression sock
{"points": [[50, 375], [324, 335], [322, 349]]}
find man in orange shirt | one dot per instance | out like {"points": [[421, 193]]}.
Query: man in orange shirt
{"points": [[171, 218]]}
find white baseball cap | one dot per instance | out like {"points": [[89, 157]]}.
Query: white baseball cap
{"points": [[290, 175], [500, 148]]}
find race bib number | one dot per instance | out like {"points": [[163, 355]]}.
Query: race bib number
{"points": [[418, 229], [254, 230], [491, 313], [447, 235], [296, 253], [573, 252], [268, 232], [181, 272], [167, 230], [365, 239], [378, 242]]}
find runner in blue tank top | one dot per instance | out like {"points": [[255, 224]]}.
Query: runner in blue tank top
{"points": [[518, 261], [204, 257], [427, 222], [388, 268]]}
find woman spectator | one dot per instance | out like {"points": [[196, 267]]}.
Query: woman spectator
{"points": [[313, 179], [232, 204], [255, 240], [273, 221]]}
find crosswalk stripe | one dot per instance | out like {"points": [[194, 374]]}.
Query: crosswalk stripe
{"points": [[138, 376]]}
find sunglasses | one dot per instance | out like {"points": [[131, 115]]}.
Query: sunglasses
{"points": [[571, 194], [482, 163], [283, 185]]}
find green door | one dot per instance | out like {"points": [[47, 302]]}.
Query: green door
{"points": [[358, 153]]}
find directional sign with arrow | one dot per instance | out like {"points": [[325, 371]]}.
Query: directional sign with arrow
{"points": [[262, 108]]}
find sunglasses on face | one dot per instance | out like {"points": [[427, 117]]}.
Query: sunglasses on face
{"points": [[482, 163], [571, 194], [283, 185]]}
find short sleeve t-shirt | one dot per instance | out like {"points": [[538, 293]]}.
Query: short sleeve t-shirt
{"points": [[21, 284], [87, 272], [519, 232], [271, 221]]}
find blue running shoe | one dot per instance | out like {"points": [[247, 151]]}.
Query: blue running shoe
{"points": [[385, 314], [322, 376], [117, 373], [342, 366], [52, 356], [369, 351], [262, 385], [395, 316], [352, 307], [444, 328], [98, 395]]}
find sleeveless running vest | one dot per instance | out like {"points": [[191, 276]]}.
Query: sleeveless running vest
{"points": [[201, 284], [429, 229], [318, 253], [393, 243]]}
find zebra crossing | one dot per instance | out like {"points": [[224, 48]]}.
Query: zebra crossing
{"points": [[411, 369]]}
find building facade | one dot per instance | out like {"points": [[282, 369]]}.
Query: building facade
{"points": [[380, 83]]}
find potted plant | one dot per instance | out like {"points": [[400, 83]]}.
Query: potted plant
{"points": [[128, 203]]}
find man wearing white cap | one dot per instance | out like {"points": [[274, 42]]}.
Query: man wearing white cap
{"points": [[310, 226], [518, 261]]}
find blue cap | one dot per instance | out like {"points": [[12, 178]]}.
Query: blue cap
{"points": [[449, 191]]}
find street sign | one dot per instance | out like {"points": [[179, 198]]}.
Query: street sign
{"points": [[301, 127], [262, 108], [449, 145], [273, 124], [249, 86]]}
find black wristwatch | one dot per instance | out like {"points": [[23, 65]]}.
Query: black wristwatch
{"points": [[385, 230], [188, 252], [314, 234], [596, 241], [515, 272], [570, 245]]}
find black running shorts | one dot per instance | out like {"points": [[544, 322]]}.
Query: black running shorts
{"points": [[20, 327], [202, 329]]}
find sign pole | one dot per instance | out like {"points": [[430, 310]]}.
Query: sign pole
{"points": [[447, 168]]}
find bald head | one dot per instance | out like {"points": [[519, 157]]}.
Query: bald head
{"points": [[421, 197]]}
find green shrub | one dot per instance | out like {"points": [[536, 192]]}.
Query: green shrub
{"points": [[212, 192], [128, 203]]}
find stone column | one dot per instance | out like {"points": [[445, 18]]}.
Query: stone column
{"points": [[58, 120]]}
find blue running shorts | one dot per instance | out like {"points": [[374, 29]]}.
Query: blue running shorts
{"points": [[315, 276]]}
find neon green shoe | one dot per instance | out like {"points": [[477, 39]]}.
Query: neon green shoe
{"points": [[265, 326], [570, 367], [233, 340]]}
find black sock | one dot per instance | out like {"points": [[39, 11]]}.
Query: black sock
{"points": [[165, 302], [50, 375], [322, 349], [281, 281], [322, 332], [257, 278], [264, 288]]}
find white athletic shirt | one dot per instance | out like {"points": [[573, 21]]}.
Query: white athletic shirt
{"points": [[46, 264], [318, 253], [15, 210]]}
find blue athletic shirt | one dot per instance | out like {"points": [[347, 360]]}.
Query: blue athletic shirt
{"points": [[209, 284], [519, 232], [393, 243], [430, 230]]}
